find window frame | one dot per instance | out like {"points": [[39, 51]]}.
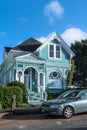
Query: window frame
{"points": [[54, 51], [41, 77]]}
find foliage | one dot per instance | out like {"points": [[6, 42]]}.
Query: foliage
{"points": [[80, 58], [1, 94], [8, 93], [24, 105], [71, 73], [0, 106], [22, 86], [51, 96]]}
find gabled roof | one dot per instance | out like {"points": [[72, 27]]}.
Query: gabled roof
{"points": [[30, 57], [29, 45], [56, 36], [7, 49]]}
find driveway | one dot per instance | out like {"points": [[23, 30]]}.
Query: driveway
{"points": [[31, 119]]}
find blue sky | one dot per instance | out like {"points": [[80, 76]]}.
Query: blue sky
{"points": [[22, 19]]}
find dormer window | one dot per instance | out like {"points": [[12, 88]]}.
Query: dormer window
{"points": [[54, 51]]}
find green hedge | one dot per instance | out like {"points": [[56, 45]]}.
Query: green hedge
{"points": [[23, 87], [8, 93], [1, 94], [24, 105], [0, 106]]}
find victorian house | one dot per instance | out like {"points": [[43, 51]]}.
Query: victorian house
{"points": [[42, 67]]}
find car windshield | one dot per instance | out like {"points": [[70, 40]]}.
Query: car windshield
{"points": [[70, 94]]}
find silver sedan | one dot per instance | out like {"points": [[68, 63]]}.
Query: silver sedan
{"points": [[67, 104]]}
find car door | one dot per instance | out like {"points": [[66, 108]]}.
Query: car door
{"points": [[81, 102]]}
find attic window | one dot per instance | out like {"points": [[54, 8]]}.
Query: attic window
{"points": [[57, 51], [54, 51], [51, 51]]}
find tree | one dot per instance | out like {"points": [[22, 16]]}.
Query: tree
{"points": [[70, 73], [80, 75]]}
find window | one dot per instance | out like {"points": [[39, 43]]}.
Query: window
{"points": [[83, 95], [51, 51], [41, 79], [54, 51], [54, 75], [57, 51]]}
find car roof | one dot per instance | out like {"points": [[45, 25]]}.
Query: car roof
{"points": [[79, 89]]}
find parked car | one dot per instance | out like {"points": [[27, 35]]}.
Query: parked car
{"points": [[67, 104]]}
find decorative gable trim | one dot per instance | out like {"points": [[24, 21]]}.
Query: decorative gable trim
{"points": [[30, 57], [60, 40]]}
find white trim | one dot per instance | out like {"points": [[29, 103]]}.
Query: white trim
{"points": [[58, 65], [30, 54], [54, 69], [61, 41], [17, 78], [30, 79], [38, 59], [30, 67], [38, 86], [51, 37], [38, 83], [54, 58]]}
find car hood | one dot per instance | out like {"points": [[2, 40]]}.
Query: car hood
{"points": [[57, 101]]}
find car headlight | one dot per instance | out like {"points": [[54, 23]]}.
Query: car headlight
{"points": [[55, 106]]}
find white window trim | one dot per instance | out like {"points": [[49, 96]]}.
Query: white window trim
{"points": [[54, 58]]}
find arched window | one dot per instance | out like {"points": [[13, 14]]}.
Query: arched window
{"points": [[41, 79], [54, 75]]}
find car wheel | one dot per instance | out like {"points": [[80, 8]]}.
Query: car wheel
{"points": [[68, 112]]}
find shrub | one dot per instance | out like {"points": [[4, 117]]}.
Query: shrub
{"points": [[8, 93], [0, 107], [23, 87], [1, 94], [49, 96], [24, 105]]}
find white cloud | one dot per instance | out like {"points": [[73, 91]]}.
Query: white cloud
{"points": [[19, 42], [53, 10], [41, 39], [73, 34]]}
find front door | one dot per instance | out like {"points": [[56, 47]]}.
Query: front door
{"points": [[27, 81], [28, 78]]}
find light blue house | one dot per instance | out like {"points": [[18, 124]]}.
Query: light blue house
{"points": [[43, 67]]}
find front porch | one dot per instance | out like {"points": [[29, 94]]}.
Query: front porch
{"points": [[33, 76], [35, 84]]}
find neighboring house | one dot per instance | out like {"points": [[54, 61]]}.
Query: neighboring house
{"points": [[43, 67]]}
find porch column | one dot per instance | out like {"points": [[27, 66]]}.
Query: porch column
{"points": [[44, 84], [23, 77], [38, 83], [30, 79]]}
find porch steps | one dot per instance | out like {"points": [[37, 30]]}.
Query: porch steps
{"points": [[35, 99]]}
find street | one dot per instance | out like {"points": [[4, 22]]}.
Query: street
{"points": [[33, 120]]}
